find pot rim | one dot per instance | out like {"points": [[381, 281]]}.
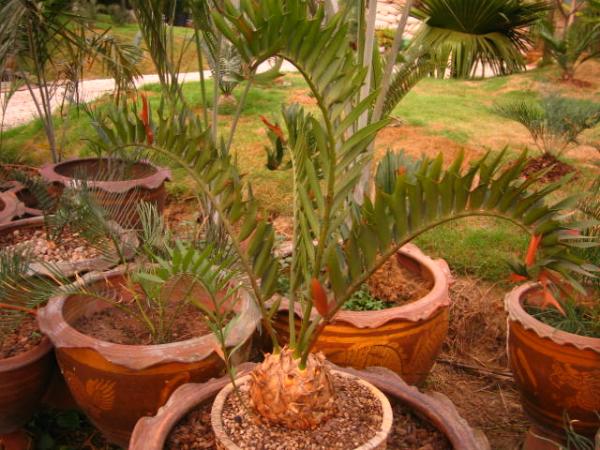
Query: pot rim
{"points": [[13, 207], [16, 188], [152, 181], [379, 438], [28, 357], [425, 307], [150, 433], [137, 357], [70, 268], [513, 304]]}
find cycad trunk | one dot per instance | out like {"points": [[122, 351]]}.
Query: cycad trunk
{"points": [[284, 393]]}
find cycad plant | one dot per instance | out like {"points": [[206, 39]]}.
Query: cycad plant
{"points": [[339, 242], [554, 122]]}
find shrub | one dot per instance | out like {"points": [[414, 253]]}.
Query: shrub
{"points": [[553, 121]]}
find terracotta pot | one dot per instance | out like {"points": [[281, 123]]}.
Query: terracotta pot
{"points": [[117, 384], [151, 433], [10, 207], [9, 184], [377, 442], [145, 182], [129, 244], [556, 372], [405, 339], [24, 379]]}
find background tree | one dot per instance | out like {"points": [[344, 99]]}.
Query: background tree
{"points": [[574, 38], [45, 45]]}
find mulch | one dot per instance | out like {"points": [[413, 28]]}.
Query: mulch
{"points": [[409, 432], [558, 168]]}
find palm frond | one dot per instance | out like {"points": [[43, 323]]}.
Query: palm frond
{"points": [[412, 69], [467, 35], [20, 293]]}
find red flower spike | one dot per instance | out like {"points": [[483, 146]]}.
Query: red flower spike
{"points": [[319, 297], [532, 250], [276, 129], [146, 120], [516, 278], [548, 298]]}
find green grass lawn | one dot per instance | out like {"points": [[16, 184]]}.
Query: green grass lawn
{"points": [[438, 115]]}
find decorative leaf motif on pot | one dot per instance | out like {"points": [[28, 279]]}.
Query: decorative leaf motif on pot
{"points": [[524, 371], [427, 346], [366, 354], [585, 386], [101, 393]]}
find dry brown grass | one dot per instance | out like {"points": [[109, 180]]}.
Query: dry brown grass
{"points": [[472, 369]]}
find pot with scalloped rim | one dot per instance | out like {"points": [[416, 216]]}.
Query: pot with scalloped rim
{"points": [[116, 384], [405, 339], [557, 373], [151, 433], [120, 184]]}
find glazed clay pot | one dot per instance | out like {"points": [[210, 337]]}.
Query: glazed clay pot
{"points": [[556, 372], [117, 384], [151, 433], [405, 339], [10, 207], [129, 244], [130, 182], [377, 442], [24, 379]]}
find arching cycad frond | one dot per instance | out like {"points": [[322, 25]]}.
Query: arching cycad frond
{"points": [[410, 201]]}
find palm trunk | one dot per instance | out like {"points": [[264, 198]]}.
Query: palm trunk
{"points": [[364, 186]]}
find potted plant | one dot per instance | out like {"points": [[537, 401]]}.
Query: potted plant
{"points": [[338, 242], [36, 257], [554, 343], [125, 339], [556, 371], [26, 360], [117, 181], [171, 425], [73, 236]]}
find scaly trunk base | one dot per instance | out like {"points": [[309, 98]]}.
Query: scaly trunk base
{"points": [[284, 394]]}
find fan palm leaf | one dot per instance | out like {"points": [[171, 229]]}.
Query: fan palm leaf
{"points": [[466, 35]]}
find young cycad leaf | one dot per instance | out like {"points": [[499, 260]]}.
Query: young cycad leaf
{"points": [[319, 297]]}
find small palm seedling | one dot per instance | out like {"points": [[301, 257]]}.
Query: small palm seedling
{"points": [[554, 122]]}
